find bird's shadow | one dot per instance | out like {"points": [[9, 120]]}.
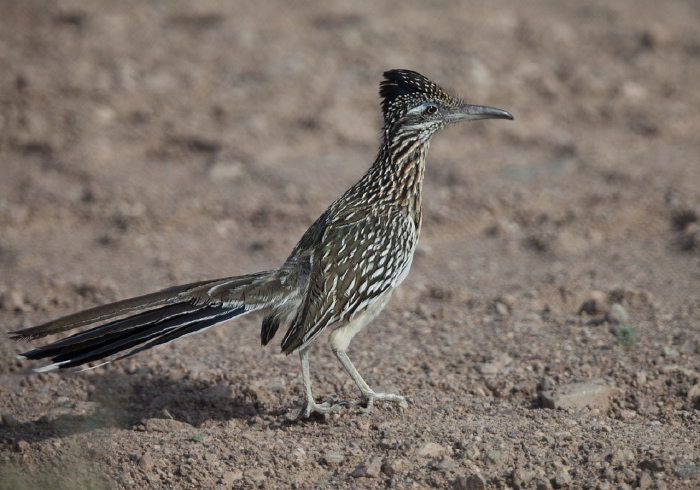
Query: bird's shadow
{"points": [[124, 401]]}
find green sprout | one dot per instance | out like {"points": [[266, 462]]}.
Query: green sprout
{"points": [[624, 335]]}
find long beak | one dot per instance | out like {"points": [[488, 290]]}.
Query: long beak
{"points": [[468, 112]]}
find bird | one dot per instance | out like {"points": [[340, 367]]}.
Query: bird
{"points": [[338, 277]]}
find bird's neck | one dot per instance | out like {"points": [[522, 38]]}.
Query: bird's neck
{"points": [[399, 171]]}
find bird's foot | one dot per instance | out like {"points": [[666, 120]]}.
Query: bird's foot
{"points": [[310, 407], [366, 404]]}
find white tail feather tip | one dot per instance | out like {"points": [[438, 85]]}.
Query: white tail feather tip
{"points": [[94, 367], [49, 367]]}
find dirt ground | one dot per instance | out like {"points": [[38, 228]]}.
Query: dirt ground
{"points": [[548, 330]]}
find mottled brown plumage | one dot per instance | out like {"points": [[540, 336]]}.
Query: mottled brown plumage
{"points": [[339, 276]]}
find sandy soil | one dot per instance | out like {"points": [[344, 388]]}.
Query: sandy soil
{"points": [[144, 144]]}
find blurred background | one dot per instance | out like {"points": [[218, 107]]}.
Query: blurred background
{"points": [[193, 135], [148, 143]]}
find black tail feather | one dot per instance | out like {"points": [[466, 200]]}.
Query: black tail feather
{"points": [[187, 330], [157, 326], [111, 331]]}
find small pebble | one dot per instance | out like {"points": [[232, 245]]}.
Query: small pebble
{"points": [[471, 482], [508, 300], [256, 476], [368, 469], [332, 457], [166, 425], [431, 450], [394, 467], [693, 393], [12, 301], [541, 484], [670, 352], [9, 420], [445, 464], [146, 462], [563, 479], [616, 315], [495, 457], [686, 470], [596, 304], [578, 395], [21, 446], [501, 309]]}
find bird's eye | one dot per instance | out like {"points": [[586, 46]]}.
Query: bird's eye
{"points": [[431, 109]]}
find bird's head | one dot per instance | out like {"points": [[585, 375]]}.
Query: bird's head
{"points": [[415, 104]]}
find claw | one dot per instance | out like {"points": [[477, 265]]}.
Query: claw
{"points": [[368, 398], [332, 400], [309, 408]]}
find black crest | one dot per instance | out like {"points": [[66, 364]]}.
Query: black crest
{"points": [[402, 90]]}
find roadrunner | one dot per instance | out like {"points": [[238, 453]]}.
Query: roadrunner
{"points": [[339, 276]]}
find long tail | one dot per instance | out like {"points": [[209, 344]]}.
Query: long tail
{"points": [[170, 314]]}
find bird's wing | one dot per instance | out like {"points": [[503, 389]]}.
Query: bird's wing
{"points": [[356, 261]]}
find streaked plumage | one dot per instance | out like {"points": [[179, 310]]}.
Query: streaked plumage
{"points": [[340, 274]]}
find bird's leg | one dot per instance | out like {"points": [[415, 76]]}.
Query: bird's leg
{"points": [[368, 394], [310, 406]]}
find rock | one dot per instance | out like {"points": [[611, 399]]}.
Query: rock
{"points": [[563, 479], [693, 393], [472, 482], [431, 450], [547, 383], [256, 476], [222, 390], [627, 414], [507, 300], [471, 452], [445, 464], [495, 457], [521, 478], [645, 481], [654, 465], [394, 467], [616, 315], [596, 304], [670, 353], [686, 470], [230, 477], [298, 455], [146, 462], [495, 366], [12, 301], [620, 456], [9, 420], [501, 308], [578, 395], [166, 425], [541, 484], [368, 469], [640, 378], [21, 446], [332, 457]]}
